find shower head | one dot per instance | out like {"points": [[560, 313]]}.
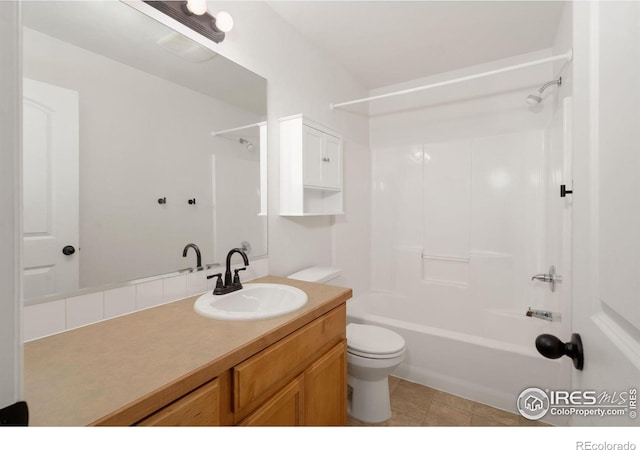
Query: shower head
{"points": [[536, 99]]}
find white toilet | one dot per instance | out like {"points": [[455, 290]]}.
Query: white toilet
{"points": [[372, 354]]}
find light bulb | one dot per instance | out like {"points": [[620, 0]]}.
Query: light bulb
{"points": [[224, 21], [197, 7]]}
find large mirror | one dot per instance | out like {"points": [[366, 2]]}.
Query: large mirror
{"points": [[137, 142]]}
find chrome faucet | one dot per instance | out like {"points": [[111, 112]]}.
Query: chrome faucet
{"points": [[198, 255], [230, 284]]}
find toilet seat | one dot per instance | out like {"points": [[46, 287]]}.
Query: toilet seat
{"points": [[369, 341], [375, 355]]}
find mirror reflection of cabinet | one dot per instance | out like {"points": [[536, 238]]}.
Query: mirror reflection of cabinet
{"points": [[310, 168]]}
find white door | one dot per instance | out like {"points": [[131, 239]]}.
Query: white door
{"points": [[50, 189], [606, 221]]}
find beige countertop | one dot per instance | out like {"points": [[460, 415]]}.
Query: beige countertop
{"points": [[118, 371]]}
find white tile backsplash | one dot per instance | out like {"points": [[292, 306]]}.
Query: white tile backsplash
{"points": [[56, 316], [149, 294], [256, 269], [85, 309], [119, 301], [174, 288], [43, 319], [197, 282]]}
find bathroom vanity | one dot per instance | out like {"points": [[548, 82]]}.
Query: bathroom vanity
{"points": [[169, 366]]}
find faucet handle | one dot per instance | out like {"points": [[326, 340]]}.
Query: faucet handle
{"points": [[219, 284], [236, 277]]}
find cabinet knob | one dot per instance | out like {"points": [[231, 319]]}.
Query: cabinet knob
{"points": [[325, 159]]}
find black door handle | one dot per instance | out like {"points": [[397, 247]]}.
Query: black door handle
{"points": [[68, 250], [551, 347]]}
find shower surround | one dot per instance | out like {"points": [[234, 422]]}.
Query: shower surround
{"points": [[465, 210]]}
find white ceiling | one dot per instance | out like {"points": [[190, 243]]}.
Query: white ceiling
{"points": [[388, 42]]}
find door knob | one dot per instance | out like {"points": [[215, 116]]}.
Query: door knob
{"points": [[68, 250], [551, 347]]}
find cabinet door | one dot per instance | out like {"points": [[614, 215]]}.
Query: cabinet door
{"points": [[332, 162], [325, 389], [312, 149], [283, 409], [198, 408]]}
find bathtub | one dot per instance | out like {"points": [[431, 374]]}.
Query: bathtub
{"points": [[491, 364]]}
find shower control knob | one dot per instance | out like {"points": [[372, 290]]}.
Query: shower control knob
{"points": [[551, 347], [68, 250]]}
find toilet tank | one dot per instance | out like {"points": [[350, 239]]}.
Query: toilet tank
{"points": [[316, 274]]}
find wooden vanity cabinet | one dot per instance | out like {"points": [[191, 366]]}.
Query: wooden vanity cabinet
{"points": [[325, 389], [283, 409], [317, 397], [299, 380], [316, 354], [198, 408]]}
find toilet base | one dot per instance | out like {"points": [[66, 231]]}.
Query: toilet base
{"points": [[369, 400]]}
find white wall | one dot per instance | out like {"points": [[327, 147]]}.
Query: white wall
{"points": [[303, 80], [10, 180]]}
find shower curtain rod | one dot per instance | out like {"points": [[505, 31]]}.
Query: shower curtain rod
{"points": [[566, 56], [258, 124]]}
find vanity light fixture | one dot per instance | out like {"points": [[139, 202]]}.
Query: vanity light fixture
{"points": [[193, 13], [197, 7]]}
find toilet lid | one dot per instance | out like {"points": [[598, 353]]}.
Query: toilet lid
{"points": [[373, 340]]}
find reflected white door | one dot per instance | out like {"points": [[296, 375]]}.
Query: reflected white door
{"points": [[50, 189], [606, 259]]}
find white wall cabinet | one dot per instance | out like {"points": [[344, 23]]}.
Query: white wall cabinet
{"points": [[310, 168]]}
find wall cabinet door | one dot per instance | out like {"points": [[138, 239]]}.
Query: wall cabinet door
{"points": [[325, 389], [313, 155], [283, 409], [322, 156], [332, 162]]}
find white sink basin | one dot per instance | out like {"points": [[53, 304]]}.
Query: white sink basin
{"points": [[253, 301]]}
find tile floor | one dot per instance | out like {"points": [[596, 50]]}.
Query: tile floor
{"points": [[416, 405]]}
